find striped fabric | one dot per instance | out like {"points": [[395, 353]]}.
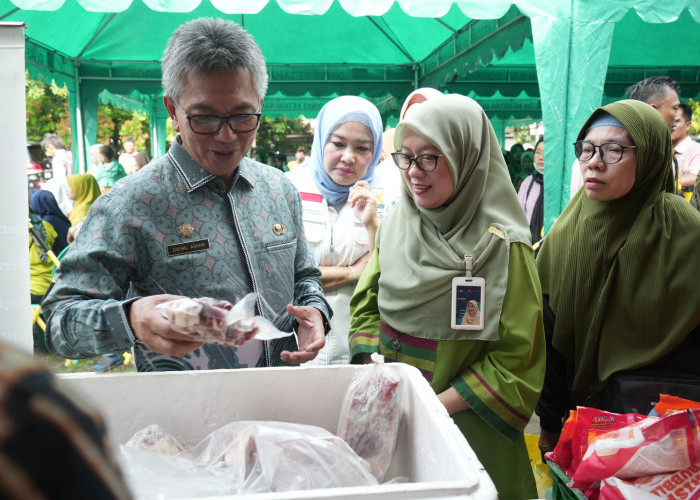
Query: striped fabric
{"points": [[414, 351], [486, 401]]}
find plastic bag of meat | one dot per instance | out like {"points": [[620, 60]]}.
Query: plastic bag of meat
{"points": [[371, 414], [248, 457], [217, 321], [155, 438]]}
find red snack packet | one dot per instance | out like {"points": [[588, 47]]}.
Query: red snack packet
{"points": [[582, 426], [562, 451], [592, 423], [653, 446], [669, 404], [679, 485]]}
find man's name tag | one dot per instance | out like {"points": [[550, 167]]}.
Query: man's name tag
{"points": [[188, 247]]}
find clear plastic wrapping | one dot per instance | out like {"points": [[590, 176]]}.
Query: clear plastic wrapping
{"points": [[217, 321], [371, 415], [248, 457]]}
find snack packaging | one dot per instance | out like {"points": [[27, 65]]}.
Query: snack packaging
{"points": [[680, 485], [654, 445], [371, 414], [669, 404], [217, 321], [582, 426]]}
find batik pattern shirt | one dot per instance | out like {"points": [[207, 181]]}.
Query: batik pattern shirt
{"points": [[175, 228]]}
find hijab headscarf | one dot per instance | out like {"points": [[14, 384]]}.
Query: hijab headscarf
{"points": [[86, 191], [336, 112], [471, 319], [416, 97], [423, 249], [621, 275], [44, 204]]}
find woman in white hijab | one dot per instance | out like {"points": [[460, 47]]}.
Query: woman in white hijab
{"points": [[342, 206]]}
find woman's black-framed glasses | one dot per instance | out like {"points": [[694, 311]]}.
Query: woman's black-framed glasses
{"points": [[427, 163], [210, 124], [610, 152]]}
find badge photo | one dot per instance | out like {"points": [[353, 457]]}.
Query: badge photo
{"points": [[468, 303]]}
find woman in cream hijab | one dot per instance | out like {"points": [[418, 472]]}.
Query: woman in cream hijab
{"points": [[456, 201], [471, 315]]}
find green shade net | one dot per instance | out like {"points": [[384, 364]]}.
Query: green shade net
{"points": [[555, 60]]}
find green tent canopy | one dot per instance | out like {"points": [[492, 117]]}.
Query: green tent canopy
{"points": [[551, 59]]}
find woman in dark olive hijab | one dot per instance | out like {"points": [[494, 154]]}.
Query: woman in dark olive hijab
{"points": [[619, 270]]}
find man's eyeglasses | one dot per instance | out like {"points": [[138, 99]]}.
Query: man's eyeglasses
{"points": [[209, 124], [610, 152], [427, 163]]}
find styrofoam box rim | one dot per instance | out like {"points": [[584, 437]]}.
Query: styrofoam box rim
{"points": [[431, 450]]}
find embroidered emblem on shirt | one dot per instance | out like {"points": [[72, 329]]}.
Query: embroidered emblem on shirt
{"points": [[186, 231], [188, 247], [279, 229]]}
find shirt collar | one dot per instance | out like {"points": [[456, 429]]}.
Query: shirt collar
{"points": [[194, 175]]}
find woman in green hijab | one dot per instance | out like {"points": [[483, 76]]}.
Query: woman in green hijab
{"points": [[619, 273], [457, 200]]}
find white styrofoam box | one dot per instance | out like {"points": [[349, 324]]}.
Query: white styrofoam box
{"points": [[431, 451]]}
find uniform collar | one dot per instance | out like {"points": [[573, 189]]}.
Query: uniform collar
{"points": [[194, 175]]}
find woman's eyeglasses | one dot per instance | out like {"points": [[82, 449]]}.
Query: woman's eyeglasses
{"points": [[610, 152], [427, 163]]}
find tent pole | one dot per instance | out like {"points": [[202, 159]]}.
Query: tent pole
{"points": [[79, 119]]}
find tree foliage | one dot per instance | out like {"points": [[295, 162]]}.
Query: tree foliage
{"points": [[48, 113], [47, 110], [273, 134]]}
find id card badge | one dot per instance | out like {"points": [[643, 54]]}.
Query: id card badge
{"points": [[468, 303], [468, 294]]}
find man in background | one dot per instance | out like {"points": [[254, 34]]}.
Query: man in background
{"points": [[61, 159], [300, 160], [687, 151]]}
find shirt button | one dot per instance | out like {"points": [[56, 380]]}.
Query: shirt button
{"points": [[218, 185]]}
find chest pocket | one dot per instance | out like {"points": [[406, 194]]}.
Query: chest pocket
{"points": [[314, 215]]}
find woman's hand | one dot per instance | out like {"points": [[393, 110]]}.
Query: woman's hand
{"points": [[364, 203]]}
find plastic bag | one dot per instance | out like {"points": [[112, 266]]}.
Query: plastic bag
{"points": [[679, 485], [249, 457], [582, 426], [371, 414], [155, 438], [217, 321], [669, 404], [543, 479], [653, 446]]}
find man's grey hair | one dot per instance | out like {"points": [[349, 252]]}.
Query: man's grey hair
{"points": [[652, 90], [208, 45], [53, 140]]}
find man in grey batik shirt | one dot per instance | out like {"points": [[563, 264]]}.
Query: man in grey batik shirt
{"points": [[202, 221]]}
